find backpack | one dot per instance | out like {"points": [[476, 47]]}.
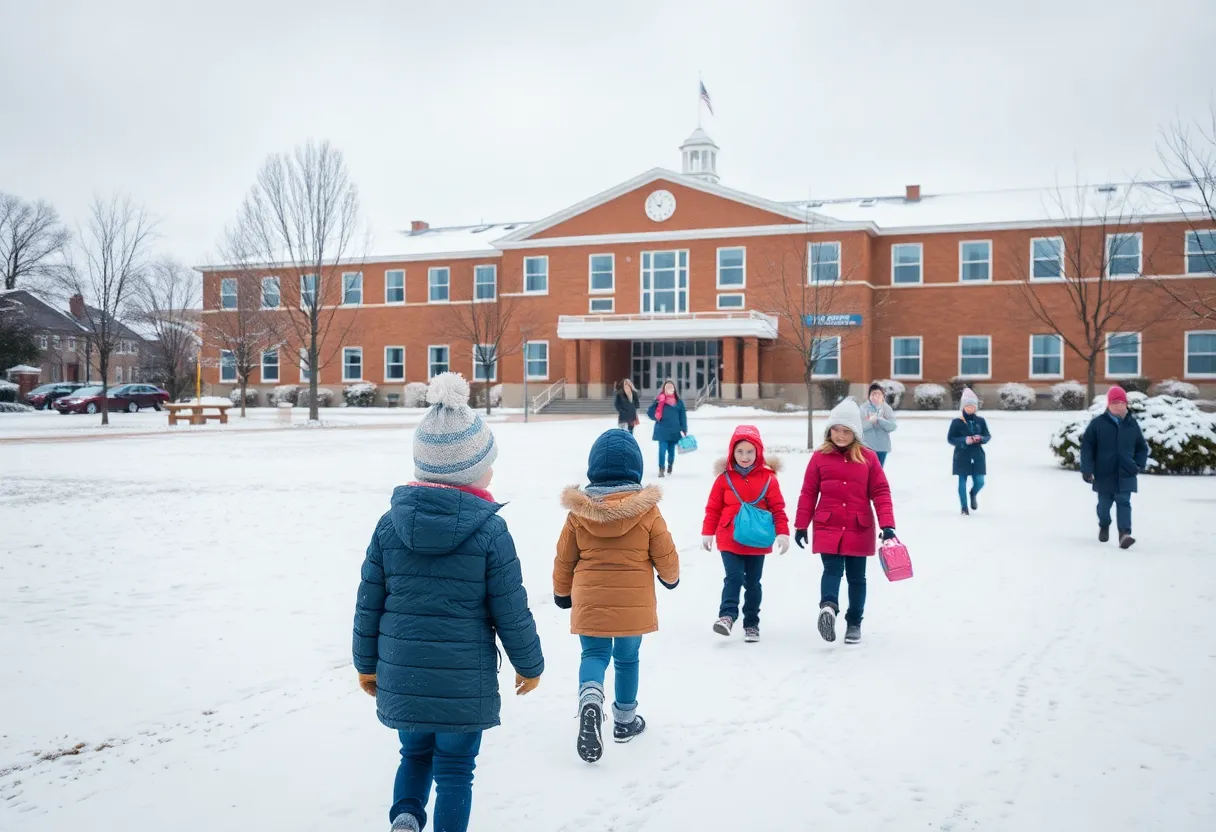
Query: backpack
{"points": [[753, 526]]}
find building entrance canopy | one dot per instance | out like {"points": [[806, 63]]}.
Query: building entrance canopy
{"points": [[694, 326]]}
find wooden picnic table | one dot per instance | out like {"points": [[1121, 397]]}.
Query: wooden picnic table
{"points": [[196, 414]]}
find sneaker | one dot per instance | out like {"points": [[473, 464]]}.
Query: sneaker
{"points": [[405, 822], [975, 504], [751, 634], [827, 623], [1126, 540], [852, 634], [624, 732], [723, 625], [1103, 533]]}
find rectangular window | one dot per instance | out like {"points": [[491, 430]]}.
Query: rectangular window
{"points": [[1201, 252], [271, 296], [308, 291], [228, 293], [1046, 356], [602, 306], [906, 356], [437, 360], [1201, 354], [394, 286], [536, 359], [438, 281], [975, 261], [732, 300], [665, 282], [227, 367], [1123, 255], [601, 270], [1046, 258], [485, 362], [118, 374], [43, 342], [731, 268], [485, 283], [975, 356], [352, 288], [825, 262], [72, 345], [57, 342], [906, 261], [270, 365], [394, 363], [825, 356], [304, 374], [352, 363], [1122, 354], [536, 275]]}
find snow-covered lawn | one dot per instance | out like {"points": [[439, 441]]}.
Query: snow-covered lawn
{"points": [[182, 607]]}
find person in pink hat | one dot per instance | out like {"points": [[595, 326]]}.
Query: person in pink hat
{"points": [[1113, 452], [969, 434]]}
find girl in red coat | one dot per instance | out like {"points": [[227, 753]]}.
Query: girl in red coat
{"points": [[743, 475], [842, 480]]}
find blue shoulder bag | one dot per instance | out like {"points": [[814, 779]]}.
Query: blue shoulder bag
{"points": [[753, 526]]}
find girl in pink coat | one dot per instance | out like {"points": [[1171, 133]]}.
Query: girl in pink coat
{"points": [[843, 480]]}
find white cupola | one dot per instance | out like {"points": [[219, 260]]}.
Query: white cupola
{"points": [[700, 156]]}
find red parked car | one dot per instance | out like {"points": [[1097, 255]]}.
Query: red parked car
{"points": [[128, 397], [44, 397]]}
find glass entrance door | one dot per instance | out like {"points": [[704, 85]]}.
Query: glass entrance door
{"points": [[679, 370]]}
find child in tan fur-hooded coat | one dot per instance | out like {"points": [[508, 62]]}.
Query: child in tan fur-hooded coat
{"points": [[613, 543]]}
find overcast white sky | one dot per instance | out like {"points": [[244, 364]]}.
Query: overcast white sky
{"points": [[457, 112]]}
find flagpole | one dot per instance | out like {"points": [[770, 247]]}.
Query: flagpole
{"points": [[699, 83]]}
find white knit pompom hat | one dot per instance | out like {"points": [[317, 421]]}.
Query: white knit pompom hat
{"points": [[451, 444], [846, 414]]}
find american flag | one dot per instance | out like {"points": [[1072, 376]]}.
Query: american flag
{"points": [[705, 98]]}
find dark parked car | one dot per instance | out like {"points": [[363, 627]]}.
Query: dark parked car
{"points": [[45, 395], [129, 397], [142, 395]]}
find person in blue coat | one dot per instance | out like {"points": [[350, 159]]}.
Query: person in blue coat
{"points": [[670, 423], [969, 434], [1113, 452], [439, 582]]}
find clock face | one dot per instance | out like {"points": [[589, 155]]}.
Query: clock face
{"points": [[660, 205]]}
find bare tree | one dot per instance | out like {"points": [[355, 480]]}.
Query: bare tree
{"points": [[166, 301], [32, 241], [301, 219], [106, 271], [1083, 280], [495, 330], [1188, 153], [245, 331]]}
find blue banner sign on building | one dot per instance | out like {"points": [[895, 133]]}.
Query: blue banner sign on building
{"points": [[833, 320]]}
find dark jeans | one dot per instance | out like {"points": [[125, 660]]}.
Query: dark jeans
{"points": [[882, 458], [448, 761], [977, 483], [1123, 510], [834, 568], [742, 572], [668, 449]]}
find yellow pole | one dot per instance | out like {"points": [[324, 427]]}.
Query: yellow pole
{"points": [[198, 379]]}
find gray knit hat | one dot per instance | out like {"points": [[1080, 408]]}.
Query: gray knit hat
{"points": [[451, 444]]}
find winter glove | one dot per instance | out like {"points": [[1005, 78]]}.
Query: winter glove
{"points": [[1089, 478], [783, 543], [524, 685], [888, 532], [367, 681], [707, 541], [800, 538], [563, 601], [670, 586]]}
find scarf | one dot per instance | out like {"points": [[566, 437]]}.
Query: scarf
{"points": [[745, 471], [596, 492], [468, 489], [663, 400]]}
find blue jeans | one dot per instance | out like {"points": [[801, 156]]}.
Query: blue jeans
{"points": [[448, 761], [882, 458], [977, 482], [1123, 510], [742, 572], [834, 568], [668, 450], [623, 651]]}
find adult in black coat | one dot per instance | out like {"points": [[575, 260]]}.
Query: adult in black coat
{"points": [[969, 434], [1113, 452], [627, 404]]}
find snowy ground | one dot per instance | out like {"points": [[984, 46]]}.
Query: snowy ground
{"points": [[182, 608]]}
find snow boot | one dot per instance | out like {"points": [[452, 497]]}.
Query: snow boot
{"points": [[723, 625], [590, 721], [966, 511], [1126, 540], [405, 822], [751, 634], [827, 622], [852, 634], [626, 724], [975, 504], [661, 473], [669, 470], [1103, 534]]}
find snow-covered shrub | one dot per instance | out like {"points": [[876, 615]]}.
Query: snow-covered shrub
{"points": [[833, 391], [957, 385], [285, 394], [1016, 396], [1136, 385], [1181, 438], [415, 394], [14, 407], [251, 397], [495, 396], [8, 391], [325, 397], [1069, 395], [362, 394], [1180, 389], [930, 396], [894, 391]]}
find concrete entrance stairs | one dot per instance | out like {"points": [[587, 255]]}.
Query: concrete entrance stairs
{"points": [[603, 407]]}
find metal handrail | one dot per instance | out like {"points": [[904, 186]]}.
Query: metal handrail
{"points": [[556, 390], [706, 392]]}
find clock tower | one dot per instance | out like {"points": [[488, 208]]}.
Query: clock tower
{"points": [[700, 156]]}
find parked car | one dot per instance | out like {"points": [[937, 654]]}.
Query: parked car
{"points": [[142, 395], [45, 395], [128, 397]]}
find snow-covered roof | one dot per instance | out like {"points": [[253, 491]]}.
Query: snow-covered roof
{"points": [[469, 240], [23, 368]]}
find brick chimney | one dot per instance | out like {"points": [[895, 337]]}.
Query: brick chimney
{"points": [[418, 226], [76, 305], [912, 193]]}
